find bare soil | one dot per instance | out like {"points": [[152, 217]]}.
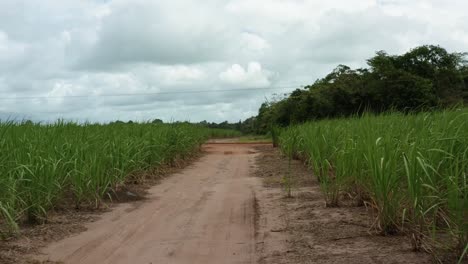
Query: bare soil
{"points": [[67, 220], [314, 233], [203, 214], [213, 211]]}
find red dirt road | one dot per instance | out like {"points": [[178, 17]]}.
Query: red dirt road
{"points": [[204, 214]]}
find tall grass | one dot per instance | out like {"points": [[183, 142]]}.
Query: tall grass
{"points": [[412, 169], [41, 164], [289, 147]]}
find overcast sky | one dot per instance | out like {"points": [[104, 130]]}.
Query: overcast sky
{"points": [[63, 58]]}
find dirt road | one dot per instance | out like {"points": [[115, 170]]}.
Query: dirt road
{"points": [[229, 207], [204, 214]]}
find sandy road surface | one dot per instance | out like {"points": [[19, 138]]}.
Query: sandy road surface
{"points": [[204, 214]]}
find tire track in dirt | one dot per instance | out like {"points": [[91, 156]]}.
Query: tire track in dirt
{"points": [[206, 216]]}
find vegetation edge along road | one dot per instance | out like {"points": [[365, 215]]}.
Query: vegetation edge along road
{"points": [[42, 165], [411, 170]]}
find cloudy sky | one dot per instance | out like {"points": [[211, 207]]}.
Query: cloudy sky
{"points": [[194, 60]]}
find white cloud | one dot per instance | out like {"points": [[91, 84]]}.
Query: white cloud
{"points": [[155, 31], [253, 76], [181, 73], [61, 48], [11, 52], [253, 42]]}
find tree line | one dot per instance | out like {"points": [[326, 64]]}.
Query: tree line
{"points": [[425, 78]]}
